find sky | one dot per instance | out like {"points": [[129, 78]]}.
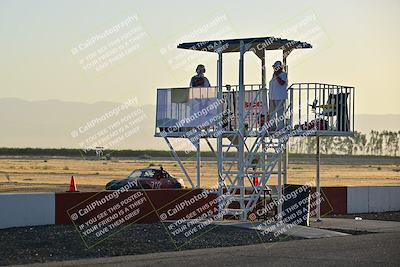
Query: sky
{"points": [[91, 51]]}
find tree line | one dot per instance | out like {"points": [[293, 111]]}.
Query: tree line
{"points": [[379, 143]]}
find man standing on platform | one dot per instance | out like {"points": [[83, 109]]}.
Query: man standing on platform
{"points": [[278, 94], [199, 80]]}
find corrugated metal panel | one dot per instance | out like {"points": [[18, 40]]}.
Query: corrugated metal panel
{"points": [[233, 45]]}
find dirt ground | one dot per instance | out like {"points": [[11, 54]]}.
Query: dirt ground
{"points": [[24, 245], [381, 216], [53, 175]]}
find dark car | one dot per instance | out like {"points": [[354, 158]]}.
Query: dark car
{"points": [[146, 179]]}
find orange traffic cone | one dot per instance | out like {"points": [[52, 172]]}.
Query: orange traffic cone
{"points": [[72, 185], [255, 181]]}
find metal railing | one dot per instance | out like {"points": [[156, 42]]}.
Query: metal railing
{"points": [[325, 108], [179, 109]]}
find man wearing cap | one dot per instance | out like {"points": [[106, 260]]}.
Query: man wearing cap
{"points": [[199, 80], [278, 94]]}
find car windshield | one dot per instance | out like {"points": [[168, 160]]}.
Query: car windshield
{"points": [[142, 174], [148, 174], [135, 174]]}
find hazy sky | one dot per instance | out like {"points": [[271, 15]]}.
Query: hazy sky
{"points": [[48, 48]]}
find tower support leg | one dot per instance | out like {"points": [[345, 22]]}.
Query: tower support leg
{"points": [[280, 188], [318, 188], [243, 215], [219, 138], [198, 163]]}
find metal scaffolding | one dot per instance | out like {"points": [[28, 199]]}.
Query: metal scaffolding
{"points": [[250, 148]]}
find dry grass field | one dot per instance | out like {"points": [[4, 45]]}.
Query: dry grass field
{"points": [[53, 175]]}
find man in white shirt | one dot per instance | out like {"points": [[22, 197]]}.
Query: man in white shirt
{"points": [[278, 94], [199, 80]]}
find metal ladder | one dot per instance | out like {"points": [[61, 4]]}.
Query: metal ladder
{"points": [[248, 202], [263, 171]]}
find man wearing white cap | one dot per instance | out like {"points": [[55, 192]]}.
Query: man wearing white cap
{"points": [[278, 94]]}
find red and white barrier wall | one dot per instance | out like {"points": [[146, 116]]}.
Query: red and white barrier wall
{"points": [[20, 209], [359, 199], [366, 199], [30, 209]]}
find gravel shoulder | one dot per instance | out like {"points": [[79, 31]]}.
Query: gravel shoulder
{"points": [[354, 250], [381, 216], [62, 242]]}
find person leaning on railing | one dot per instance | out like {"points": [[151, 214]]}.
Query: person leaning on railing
{"points": [[199, 80], [278, 94]]}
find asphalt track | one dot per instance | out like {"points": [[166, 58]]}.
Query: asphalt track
{"points": [[354, 250]]}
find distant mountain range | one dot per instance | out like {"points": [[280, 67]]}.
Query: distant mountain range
{"points": [[54, 123]]}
